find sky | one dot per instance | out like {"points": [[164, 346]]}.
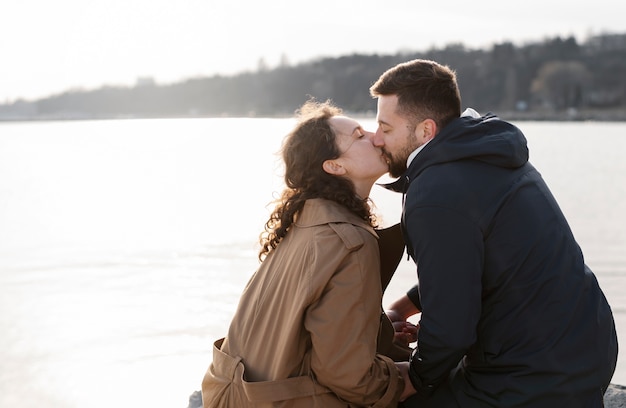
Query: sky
{"points": [[49, 47]]}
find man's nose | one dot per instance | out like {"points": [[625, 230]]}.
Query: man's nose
{"points": [[376, 138]]}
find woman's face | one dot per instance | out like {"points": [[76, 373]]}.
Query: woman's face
{"points": [[362, 162]]}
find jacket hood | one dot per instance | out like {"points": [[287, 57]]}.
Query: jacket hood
{"points": [[484, 138]]}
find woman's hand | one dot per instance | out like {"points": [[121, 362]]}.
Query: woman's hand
{"points": [[405, 332], [408, 386]]}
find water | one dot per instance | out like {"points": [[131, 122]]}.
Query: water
{"points": [[124, 245]]}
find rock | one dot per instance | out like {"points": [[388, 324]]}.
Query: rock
{"points": [[195, 400], [615, 397]]}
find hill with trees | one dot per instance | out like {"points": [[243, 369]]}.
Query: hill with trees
{"points": [[557, 78]]}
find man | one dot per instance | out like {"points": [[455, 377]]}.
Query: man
{"points": [[510, 314]]}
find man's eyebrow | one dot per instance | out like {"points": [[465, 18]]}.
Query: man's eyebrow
{"points": [[382, 122]]}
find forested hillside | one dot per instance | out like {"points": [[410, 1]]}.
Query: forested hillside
{"points": [[556, 78]]}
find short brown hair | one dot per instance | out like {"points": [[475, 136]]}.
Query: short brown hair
{"points": [[425, 89]]}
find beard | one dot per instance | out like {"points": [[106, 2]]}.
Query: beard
{"points": [[397, 162], [397, 165]]}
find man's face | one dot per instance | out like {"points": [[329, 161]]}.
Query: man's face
{"points": [[396, 136]]}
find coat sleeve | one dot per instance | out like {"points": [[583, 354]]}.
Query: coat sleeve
{"points": [[448, 250], [414, 296], [344, 320]]}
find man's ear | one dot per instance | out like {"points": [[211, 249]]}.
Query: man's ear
{"points": [[333, 167], [430, 129]]}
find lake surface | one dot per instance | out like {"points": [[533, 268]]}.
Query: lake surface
{"points": [[124, 245]]}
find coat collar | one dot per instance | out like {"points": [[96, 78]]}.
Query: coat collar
{"points": [[319, 211], [399, 185]]}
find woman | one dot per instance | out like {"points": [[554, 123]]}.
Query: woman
{"points": [[304, 333]]}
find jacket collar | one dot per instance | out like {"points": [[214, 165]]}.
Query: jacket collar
{"points": [[319, 211], [399, 185], [486, 139]]}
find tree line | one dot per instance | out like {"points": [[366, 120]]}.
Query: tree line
{"points": [[553, 78]]}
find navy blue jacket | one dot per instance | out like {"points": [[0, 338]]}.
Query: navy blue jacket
{"points": [[511, 315]]}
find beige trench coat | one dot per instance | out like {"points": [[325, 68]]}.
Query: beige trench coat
{"points": [[305, 331]]}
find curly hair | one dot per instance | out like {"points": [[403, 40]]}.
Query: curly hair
{"points": [[304, 150]]}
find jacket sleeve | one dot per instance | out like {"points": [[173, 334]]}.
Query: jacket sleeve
{"points": [[448, 249], [344, 320], [414, 296]]}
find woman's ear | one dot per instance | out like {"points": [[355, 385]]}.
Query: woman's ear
{"points": [[333, 167]]}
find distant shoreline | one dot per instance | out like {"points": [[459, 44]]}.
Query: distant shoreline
{"points": [[587, 115]]}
